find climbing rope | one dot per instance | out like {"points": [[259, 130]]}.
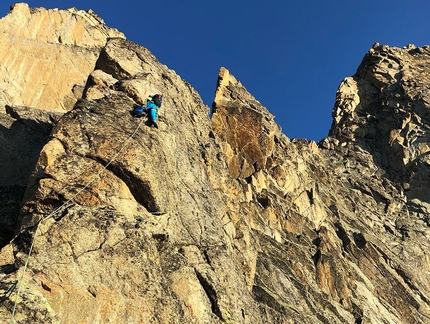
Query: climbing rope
{"points": [[65, 205]]}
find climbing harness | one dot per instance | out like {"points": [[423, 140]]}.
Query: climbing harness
{"points": [[67, 204]]}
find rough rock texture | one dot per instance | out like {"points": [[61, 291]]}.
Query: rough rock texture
{"points": [[23, 133], [46, 53], [46, 57], [343, 252], [226, 220], [246, 128]]}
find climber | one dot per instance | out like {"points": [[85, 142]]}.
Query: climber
{"points": [[153, 102]]}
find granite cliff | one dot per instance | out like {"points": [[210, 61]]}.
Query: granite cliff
{"points": [[220, 220]]}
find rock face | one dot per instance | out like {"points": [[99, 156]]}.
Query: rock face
{"points": [[384, 109], [47, 55], [46, 58], [224, 220], [246, 128], [23, 133]]}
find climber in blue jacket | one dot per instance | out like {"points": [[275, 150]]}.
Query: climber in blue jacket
{"points": [[153, 102]]}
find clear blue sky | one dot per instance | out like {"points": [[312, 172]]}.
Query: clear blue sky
{"points": [[291, 56]]}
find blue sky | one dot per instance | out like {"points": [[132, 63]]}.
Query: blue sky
{"points": [[291, 56]]}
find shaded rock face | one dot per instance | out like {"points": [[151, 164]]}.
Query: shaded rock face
{"points": [[23, 133], [221, 220]]}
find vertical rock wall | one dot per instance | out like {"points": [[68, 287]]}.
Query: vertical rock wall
{"points": [[45, 53], [46, 58]]}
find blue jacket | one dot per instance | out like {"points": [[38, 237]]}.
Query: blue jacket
{"points": [[150, 105], [151, 108]]}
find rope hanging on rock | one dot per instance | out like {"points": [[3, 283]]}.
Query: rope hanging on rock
{"points": [[65, 205]]}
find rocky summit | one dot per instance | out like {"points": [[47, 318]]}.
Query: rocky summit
{"points": [[105, 219]]}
